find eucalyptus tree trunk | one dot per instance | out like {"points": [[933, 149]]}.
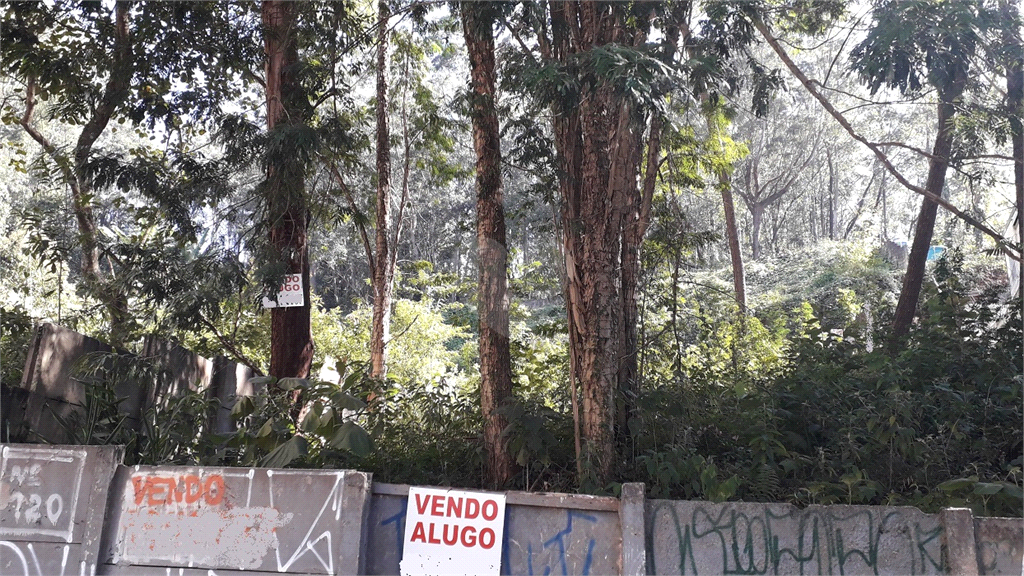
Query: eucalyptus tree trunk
{"points": [[739, 283], [1015, 103], [291, 339], [598, 142], [492, 248], [906, 308], [382, 268]]}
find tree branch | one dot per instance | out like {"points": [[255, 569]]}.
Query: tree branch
{"points": [[808, 84]]}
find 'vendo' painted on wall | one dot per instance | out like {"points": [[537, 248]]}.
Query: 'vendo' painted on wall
{"points": [[294, 521]]}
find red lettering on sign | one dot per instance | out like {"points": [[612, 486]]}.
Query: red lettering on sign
{"points": [[472, 508], [431, 539], [484, 534], [493, 507], [438, 508], [454, 507], [417, 532], [422, 501], [469, 536], [455, 535]]}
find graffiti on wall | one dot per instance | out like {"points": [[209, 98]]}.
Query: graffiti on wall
{"points": [[39, 493], [697, 537], [231, 519]]}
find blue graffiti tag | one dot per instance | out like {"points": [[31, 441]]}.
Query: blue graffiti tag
{"points": [[559, 539], [399, 521]]}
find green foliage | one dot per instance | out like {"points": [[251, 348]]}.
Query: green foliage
{"points": [[830, 421], [325, 432], [178, 427]]}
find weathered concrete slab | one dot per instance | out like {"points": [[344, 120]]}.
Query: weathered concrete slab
{"points": [[53, 502], [746, 538], [1000, 545], [544, 533], [53, 393], [293, 521], [183, 369], [231, 381]]}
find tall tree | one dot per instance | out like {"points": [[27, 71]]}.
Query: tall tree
{"points": [[383, 265], [599, 86], [909, 44], [95, 64], [288, 112], [492, 247]]}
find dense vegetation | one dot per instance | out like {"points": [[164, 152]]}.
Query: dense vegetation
{"points": [[739, 331]]}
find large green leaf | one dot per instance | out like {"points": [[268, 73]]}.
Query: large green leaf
{"points": [[296, 447], [352, 438]]}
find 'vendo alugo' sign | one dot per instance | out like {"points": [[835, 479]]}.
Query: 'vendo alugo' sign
{"points": [[289, 295], [452, 532]]}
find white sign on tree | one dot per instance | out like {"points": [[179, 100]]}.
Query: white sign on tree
{"points": [[452, 532], [289, 295]]}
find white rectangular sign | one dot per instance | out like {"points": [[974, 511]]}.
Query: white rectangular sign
{"points": [[289, 295], [453, 532]]}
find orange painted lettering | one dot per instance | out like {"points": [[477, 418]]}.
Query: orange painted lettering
{"points": [[214, 489]]}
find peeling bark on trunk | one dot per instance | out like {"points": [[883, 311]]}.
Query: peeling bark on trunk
{"points": [[598, 145], [382, 271], [495, 359], [291, 345]]}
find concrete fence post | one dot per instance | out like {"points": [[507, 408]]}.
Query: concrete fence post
{"points": [[355, 522], [958, 543], [631, 518]]}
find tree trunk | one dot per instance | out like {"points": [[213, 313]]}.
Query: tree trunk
{"points": [[739, 283], [291, 344], [382, 271], [906, 308], [74, 171], [1015, 104], [598, 143], [832, 220], [756, 219], [637, 220], [495, 360]]}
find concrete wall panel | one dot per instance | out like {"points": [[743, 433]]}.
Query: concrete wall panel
{"points": [[231, 519], [1000, 545], [53, 500], [747, 538]]}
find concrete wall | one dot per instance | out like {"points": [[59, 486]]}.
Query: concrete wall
{"points": [[53, 388], [75, 510]]}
